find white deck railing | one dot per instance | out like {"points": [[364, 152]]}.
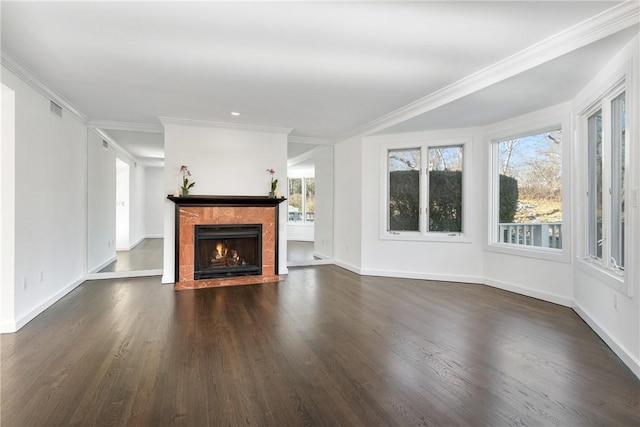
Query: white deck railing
{"points": [[541, 234]]}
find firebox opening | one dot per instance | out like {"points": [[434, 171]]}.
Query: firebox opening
{"points": [[227, 250]]}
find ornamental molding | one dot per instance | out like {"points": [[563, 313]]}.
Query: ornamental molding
{"points": [[224, 125], [128, 126], [609, 22], [310, 140], [23, 73]]}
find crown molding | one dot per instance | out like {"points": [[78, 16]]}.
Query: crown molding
{"points": [[225, 125], [310, 140], [24, 74], [617, 18], [302, 157], [135, 127]]}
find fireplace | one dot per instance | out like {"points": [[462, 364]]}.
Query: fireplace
{"points": [[225, 241], [227, 250]]}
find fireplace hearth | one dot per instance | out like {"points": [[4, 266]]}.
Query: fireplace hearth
{"points": [[227, 250]]}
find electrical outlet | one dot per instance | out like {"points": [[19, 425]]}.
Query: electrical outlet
{"points": [[615, 301], [41, 275], [25, 284]]}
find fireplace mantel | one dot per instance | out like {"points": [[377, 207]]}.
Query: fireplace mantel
{"points": [[197, 200], [213, 210]]}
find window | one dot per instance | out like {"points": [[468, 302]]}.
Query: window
{"points": [[424, 191], [301, 199], [605, 200], [528, 175]]}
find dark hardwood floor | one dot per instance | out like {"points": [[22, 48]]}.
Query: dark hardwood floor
{"points": [[323, 347], [146, 255]]}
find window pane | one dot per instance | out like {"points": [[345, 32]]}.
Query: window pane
{"points": [[617, 180], [295, 200], [595, 184], [530, 190], [445, 189], [404, 189], [310, 199]]}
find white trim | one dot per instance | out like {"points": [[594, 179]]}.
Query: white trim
{"points": [[621, 351], [26, 318], [347, 266], [123, 274], [22, 72], [154, 236], [304, 156], [424, 144], [610, 21], [533, 293], [131, 245], [135, 127], [603, 275], [421, 276], [530, 124], [308, 262], [103, 264], [310, 140], [112, 143], [598, 94], [226, 125]]}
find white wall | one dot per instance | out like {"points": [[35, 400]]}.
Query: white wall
{"points": [[222, 161], [613, 314], [549, 278], [101, 203], [7, 211], [323, 224], [155, 197], [437, 260], [137, 201], [348, 196], [50, 203], [122, 205]]}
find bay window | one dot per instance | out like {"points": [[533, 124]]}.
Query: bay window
{"points": [[605, 196]]}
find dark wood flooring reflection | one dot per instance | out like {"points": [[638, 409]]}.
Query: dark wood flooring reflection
{"points": [[323, 347], [146, 255]]}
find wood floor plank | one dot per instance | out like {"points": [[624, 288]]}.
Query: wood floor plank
{"points": [[323, 347]]}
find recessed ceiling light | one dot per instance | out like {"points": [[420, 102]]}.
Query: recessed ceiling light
{"points": [[235, 113]]}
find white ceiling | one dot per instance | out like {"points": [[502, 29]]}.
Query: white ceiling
{"points": [[325, 69]]}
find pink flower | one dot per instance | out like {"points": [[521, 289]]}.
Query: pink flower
{"points": [[271, 171]]}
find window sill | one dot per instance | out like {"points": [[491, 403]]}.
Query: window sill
{"points": [[547, 254], [608, 277], [424, 237]]}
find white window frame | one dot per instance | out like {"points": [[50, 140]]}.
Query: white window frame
{"points": [[532, 127], [602, 268], [423, 234], [304, 200]]}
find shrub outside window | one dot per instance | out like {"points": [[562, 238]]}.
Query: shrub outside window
{"points": [[424, 191]]}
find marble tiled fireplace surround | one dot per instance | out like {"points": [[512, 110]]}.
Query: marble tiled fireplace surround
{"points": [[215, 210]]}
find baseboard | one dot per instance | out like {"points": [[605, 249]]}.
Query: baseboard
{"points": [[421, 276], [132, 245], [8, 327], [625, 355], [347, 266], [154, 236], [104, 264], [544, 296], [23, 320], [320, 255], [123, 274]]}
